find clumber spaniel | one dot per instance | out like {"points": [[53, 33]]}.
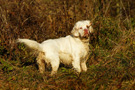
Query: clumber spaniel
{"points": [[71, 49]]}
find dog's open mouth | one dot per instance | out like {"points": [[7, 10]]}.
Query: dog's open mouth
{"points": [[85, 36]]}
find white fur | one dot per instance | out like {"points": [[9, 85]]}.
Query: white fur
{"points": [[71, 49]]}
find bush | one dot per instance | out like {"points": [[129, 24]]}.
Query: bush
{"points": [[111, 63]]}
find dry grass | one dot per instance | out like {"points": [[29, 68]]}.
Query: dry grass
{"points": [[111, 65]]}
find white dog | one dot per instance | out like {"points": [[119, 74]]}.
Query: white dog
{"points": [[71, 49]]}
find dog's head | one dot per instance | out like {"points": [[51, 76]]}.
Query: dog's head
{"points": [[82, 29]]}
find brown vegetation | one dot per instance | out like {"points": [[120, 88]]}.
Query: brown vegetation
{"points": [[111, 64]]}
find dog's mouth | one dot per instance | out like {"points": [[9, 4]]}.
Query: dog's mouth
{"points": [[85, 36]]}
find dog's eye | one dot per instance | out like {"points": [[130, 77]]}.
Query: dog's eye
{"points": [[87, 26], [80, 27]]}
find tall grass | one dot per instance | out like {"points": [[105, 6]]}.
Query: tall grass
{"points": [[111, 64]]}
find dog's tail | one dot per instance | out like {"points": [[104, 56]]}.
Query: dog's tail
{"points": [[30, 43]]}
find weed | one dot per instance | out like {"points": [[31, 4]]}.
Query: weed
{"points": [[111, 65]]}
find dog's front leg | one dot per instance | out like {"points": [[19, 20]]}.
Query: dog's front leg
{"points": [[83, 66], [76, 64]]}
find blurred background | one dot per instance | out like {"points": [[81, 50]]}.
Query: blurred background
{"points": [[111, 64]]}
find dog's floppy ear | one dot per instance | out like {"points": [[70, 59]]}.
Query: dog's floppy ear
{"points": [[91, 28], [74, 31]]}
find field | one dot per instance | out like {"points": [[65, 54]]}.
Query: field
{"points": [[111, 63]]}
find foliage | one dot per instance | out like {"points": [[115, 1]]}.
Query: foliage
{"points": [[111, 64]]}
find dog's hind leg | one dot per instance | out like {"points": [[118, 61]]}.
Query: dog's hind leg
{"points": [[41, 62]]}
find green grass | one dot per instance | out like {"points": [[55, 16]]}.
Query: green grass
{"points": [[111, 64]]}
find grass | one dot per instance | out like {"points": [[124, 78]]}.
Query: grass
{"points": [[111, 64]]}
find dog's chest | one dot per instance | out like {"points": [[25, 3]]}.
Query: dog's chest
{"points": [[84, 51]]}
